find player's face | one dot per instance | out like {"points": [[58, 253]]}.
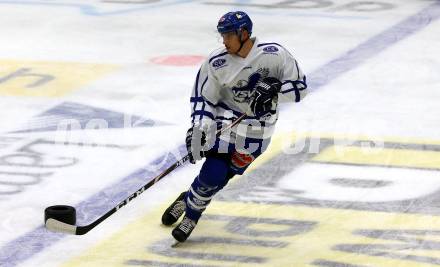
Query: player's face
{"points": [[231, 42]]}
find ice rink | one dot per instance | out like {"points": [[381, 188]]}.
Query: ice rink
{"points": [[94, 98]]}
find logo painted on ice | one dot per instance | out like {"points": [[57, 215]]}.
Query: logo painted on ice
{"points": [[219, 62], [270, 49], [84, 117]]}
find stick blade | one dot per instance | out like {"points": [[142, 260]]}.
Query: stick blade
{"points": [[60, 227]]}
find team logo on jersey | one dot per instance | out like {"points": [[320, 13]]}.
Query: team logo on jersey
{"points": [[270, 49], [243, 89], [218, 62]]}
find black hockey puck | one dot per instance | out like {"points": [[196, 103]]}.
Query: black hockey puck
{"points": [[62, 213]]}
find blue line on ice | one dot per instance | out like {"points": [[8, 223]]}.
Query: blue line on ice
{"points": [[38, 239]]}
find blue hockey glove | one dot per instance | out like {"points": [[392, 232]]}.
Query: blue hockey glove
{"points": [[266, 91]]}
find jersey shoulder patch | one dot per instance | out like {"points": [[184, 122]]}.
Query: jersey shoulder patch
{"points": [[220, 52], [218, 59], [270, 48]]}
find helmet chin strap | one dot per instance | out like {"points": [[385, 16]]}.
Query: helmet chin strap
{"points": [[241, 42]]}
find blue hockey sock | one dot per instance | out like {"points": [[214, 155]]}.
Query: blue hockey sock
{"points": [[210, 180]]}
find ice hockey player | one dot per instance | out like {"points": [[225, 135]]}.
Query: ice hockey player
{"points": [[244, 76]]}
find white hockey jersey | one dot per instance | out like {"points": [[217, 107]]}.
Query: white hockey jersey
{"points": [[225, 83]]}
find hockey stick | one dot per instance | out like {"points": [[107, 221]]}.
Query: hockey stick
{"points": [[58, 226]]}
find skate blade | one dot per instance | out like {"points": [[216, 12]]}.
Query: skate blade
{"points": [[175, 244]]}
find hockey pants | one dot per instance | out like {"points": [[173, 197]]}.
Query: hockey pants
{"points": [[216, 172]]}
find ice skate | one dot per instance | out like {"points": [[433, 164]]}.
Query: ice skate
{"points": [[184, 229], [175, 210]]}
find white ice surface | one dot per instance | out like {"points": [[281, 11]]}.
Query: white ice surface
{"points": [[395, 93]]}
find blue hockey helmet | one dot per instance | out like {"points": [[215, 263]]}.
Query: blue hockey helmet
{"points": [[234, 22]]}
